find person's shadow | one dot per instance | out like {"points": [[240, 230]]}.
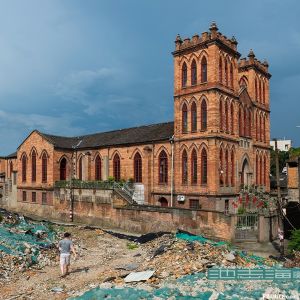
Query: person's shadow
{"points": [[79, 270]]}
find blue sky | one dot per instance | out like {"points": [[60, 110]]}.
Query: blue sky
{"points": [[74, 67]]}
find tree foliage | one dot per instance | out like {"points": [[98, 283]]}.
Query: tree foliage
{"points": [[294, 243]]}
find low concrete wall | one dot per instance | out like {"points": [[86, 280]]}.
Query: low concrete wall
{"points": [[103, 208]]}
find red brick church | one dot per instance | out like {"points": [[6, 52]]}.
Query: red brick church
{"points": [[219, 139]]}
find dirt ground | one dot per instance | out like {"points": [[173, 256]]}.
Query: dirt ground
{"points": [[99, 254]]}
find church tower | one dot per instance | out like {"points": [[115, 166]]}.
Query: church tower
{"points": [[221, 119]]}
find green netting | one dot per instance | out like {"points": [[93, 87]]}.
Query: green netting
{"points": [[15, 238], [198, 238]]}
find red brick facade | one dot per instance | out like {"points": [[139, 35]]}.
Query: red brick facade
{"points": [[221, 135]]}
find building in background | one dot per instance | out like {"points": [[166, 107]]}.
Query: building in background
{"points": [[282, 145]]}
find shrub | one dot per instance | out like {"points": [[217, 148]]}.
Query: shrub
{"points": [[294, 243], [132, 246]]}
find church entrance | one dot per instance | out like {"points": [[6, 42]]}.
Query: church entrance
{"points": [[245, 180]]}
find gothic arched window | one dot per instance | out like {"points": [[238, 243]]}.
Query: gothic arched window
{"points": [[184, 75], [220, 70], [163, 167], [221, 167], [184, 168], [203, 115], [63, 169], [44, 167], [24, 167], [184, 118], [194, 73], [194, 117], [221, 115], [204, 69], [117, 167], [138, 168], [98, 168], [204, 166], [226, 168], [226, 72], [232, 168], [194, 167], [231, 75], [33, 166], [226, 117], [80, 168], [232, 118]]}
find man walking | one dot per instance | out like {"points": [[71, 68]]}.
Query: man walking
{"points": [[65, 247]]}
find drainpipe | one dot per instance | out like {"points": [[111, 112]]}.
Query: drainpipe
{"points": [[172, 168]]}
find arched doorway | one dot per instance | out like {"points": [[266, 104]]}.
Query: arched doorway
{"points": [[245, 180], [163, 202]]}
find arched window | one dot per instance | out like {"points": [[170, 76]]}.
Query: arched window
{"points": [[194, 73], [184, 75], [184, 118], [184, 167], [264, 92], [259, 92], [194, 117], [117, 167], [255, 83], [24, 167], [44, 167], [194, 167], [163, 167], [63, 169], [220, 70], [203, 115], [221, 167], [226, 117], [138, 168], [232, 168], [260, 128], [243, 82], [226, 168], [204, 69], [240, 122], [226, 72], [231, 75], [163, 202], [98, 168], [10, 169], [232, 118], [256, 126], [221, 115], [256, 170], [203, 166], [80, 168], [264, 129], [33, 166]]}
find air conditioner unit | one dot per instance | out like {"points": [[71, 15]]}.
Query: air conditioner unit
{"points": [[180, 198]]}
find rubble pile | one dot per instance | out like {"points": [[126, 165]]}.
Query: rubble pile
{"points": [[23, 245]]}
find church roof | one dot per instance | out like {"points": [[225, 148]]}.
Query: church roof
{"points": [[135, 135]]}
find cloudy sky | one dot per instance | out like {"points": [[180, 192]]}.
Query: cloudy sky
{"points": [[73, 67]]}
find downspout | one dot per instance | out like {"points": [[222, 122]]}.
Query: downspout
{"points": [[172, 168]]}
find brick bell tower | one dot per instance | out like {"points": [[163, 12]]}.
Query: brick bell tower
{"points": [[221, 119]]}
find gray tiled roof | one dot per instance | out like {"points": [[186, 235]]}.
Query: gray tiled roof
{"points": [[135, 135]]}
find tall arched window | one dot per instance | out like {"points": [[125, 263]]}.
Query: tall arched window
{"points": [[80, 168], [184, 118], [231, 75], [264, 129], [226, 168], [264, 92], [220, 70], [138, 168], [265, 172], [163, 167], [204, 69], [194, 73], [203, 166], [24, 167], [232, 168], [184, 75], [260, 128], [256, 126], [33, 166], [260, 171], [259, 91], [117, 167], [232, 118], [194, 117], [10, 169], [221, 167], [226, 72], [44, 167], [184, 167], [249, 123], [98, 168], [221, 115], [226, 117], [63, 169], [194, 167], [203, 115]]}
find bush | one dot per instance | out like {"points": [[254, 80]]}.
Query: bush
{"points": [[294, 243]]}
